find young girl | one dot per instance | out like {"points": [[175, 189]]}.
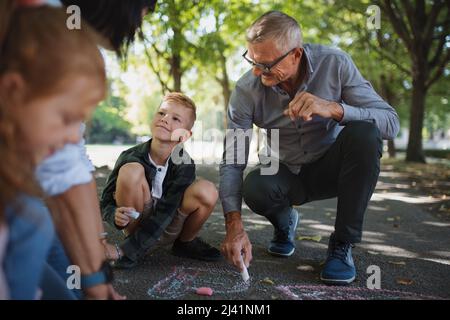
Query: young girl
{"points": [[51, 79]]}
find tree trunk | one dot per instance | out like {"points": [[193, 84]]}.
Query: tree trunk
{"points": [[391, 149], [176, 72], [419, 32], [176, 48], [389, 95], [414, 152], [226, 91]]}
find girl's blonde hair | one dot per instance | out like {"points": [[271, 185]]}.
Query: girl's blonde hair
{"points": [[36, 43]]}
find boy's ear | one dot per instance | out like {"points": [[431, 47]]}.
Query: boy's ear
{"points": [[12, 88]]}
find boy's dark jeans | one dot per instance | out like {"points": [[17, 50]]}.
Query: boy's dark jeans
{"points": [[349, 171]]}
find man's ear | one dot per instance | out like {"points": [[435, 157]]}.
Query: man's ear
{"points": [[298, 53], [12, 88]]}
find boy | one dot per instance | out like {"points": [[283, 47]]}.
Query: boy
{"points": [[172, 206]]}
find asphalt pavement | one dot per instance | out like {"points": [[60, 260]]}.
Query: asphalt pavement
{"points": [[405, 254]]}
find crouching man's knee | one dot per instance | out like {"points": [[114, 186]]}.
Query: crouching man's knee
{"points": [[258, 192], [364, 136]]}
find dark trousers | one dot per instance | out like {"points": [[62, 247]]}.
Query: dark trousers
{"points": [[348, 170]]}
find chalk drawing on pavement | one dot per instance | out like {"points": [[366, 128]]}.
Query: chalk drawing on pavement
{"points": [[185, 280], [321, 292]]}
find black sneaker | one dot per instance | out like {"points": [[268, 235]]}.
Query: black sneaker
{"points": [[283, 242], [124, 263], [196, 249]]}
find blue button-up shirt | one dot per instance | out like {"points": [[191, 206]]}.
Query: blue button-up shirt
{"points": [[330, 75]]}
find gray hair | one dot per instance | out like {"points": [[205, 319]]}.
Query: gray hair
{"points": [[277, 26]]}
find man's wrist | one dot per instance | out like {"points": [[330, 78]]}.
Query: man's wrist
{"points": [[337, 111], [232, 216], [233, 220]]}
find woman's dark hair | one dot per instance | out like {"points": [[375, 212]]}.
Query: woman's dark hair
{"points": [[117, 20]]}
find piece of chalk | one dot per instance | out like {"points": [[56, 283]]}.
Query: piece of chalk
{"points": [[204, 291], [244, 272], [133, 214]]}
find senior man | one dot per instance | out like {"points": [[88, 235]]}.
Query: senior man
{"points": [[328, 124]]}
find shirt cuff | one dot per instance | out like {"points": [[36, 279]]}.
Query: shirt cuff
{"points": [[230, 204], [350, 113]]}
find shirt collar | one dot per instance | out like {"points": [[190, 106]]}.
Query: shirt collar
{"points": [[309, 57], [165, 166], [146, 151]]}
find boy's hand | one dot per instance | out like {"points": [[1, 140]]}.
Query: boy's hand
{"points": [[120, 216], [180, 135]]}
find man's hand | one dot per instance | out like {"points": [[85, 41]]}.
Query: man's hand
{"points": [[236, 241], [305, 105], [121, 217]]}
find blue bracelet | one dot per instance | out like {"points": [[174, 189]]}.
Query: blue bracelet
{"points": [[103, 276]]}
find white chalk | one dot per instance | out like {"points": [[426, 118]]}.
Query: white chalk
{"points": [[244, 272], [133, 214]]}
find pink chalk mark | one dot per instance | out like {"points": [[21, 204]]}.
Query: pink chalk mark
{"points": [[204, 291]]}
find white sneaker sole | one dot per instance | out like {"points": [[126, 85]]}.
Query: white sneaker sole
{"points": [[337, 282], [281, 254]]}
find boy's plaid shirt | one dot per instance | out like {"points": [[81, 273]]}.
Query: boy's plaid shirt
{"points": [[178, 178]]}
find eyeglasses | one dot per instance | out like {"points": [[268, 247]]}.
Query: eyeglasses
{"points": [[266, 67]]}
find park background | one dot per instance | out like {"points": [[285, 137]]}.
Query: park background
{"points": [[401, 47], [196, 47]]}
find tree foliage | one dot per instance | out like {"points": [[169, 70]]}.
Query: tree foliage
{"points": [[196, 47]]}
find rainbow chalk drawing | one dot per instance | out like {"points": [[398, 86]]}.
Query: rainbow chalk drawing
{"points": [[184, 281], [311, 292]]}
